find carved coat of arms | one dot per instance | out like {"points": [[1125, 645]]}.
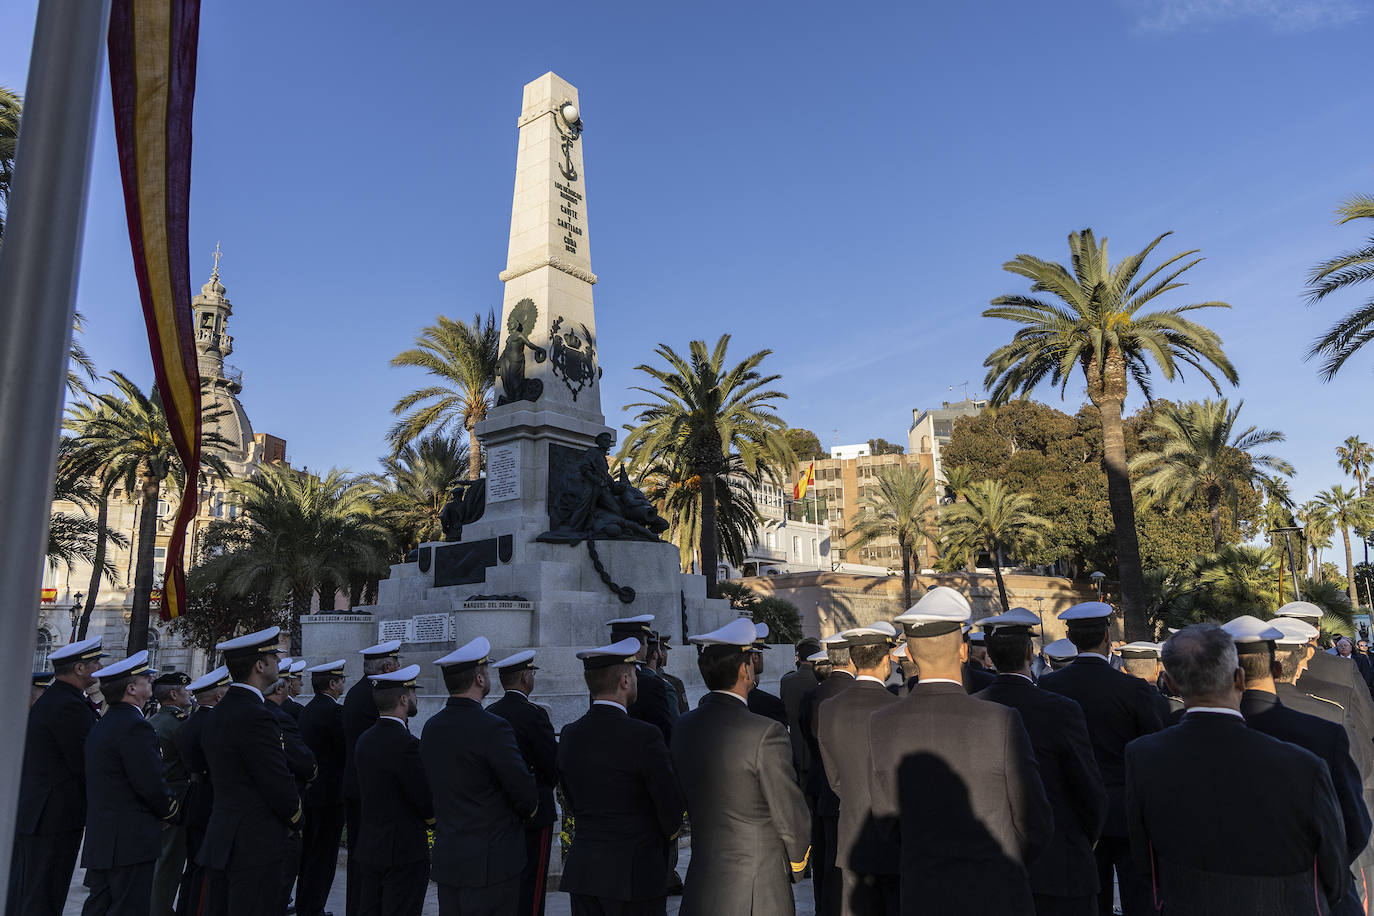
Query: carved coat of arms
{"points": [[573, 357]]}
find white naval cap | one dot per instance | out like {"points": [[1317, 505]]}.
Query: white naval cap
{"points": [[517, 662], [401, 677], [87, 650], [621, 652], [1251, 634], [637, 626], [881, 633], [816, 658], [738, 634], [1140, 649], [382, 650], [1061, 650], [474, 653], [760, 634], [940, 610], [1087, 611], [298, 667], [835, 641], [1295, 630], [284, 663], [263, 642], [334, 668], [210, 680], [1016, 618], [1303, 610], [126, 667]]}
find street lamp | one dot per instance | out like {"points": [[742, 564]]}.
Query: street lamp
{"points": [[1099, 579], [76, 615], [1039, 604]]}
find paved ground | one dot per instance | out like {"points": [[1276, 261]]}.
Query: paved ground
{"points": [[557, 905]]}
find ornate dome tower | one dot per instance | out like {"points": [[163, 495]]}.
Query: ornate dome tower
{"points": [[211, 311]]}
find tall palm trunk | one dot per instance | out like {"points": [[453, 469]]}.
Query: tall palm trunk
{"points": [[994, 552], [102, 515], [474, 454], [1350, 569], [143, 572], [1316, 567], [1123, 520], [710, 540], [906, 575], [1214, 510]]}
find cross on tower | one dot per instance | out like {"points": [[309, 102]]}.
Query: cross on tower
{"points": [[218, 253]]}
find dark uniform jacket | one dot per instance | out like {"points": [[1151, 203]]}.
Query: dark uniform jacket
{"points": [[651, 704], [256, 802], [1255, 831], [200, 796], [359, 714], [818, 784], [322, 730], [538, 746], [300, 760], [624, 799], [483, 795], [293, 708], [679, 688], [52, 787], [844, 749], [955, 785], [1118, 708], [396, 805], [1059, 737], [167, 723], [792, 689], [977, 677], [750, 825], [763, 703], [127, 799]]}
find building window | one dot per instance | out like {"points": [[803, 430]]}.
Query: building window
{"points": [[159, 564], [796, 547], [153, 648], [814, 553], [41, 650]]}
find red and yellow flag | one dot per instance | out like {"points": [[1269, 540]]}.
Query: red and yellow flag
{"points": [[808, 479], [152, 46]]}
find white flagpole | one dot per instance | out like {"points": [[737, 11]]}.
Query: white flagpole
{"points": [[38, 271]]}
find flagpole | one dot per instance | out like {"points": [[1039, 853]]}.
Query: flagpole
{"points": [[39, 262]]}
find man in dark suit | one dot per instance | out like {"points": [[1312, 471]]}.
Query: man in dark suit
{"points": [[127, 799], [397, 808], [1118, 709], [300, 760], [173, 705], [651, 703], [322, 731], [868, 867], [825, 874], [359, 714], [761, 702], [484, 795], [622, 793], [208, 690], [954, 782], [750, 824], [1260, 705], [1064, 877], [52, 785], [1278, 845], [256, 804], [539, 748]]}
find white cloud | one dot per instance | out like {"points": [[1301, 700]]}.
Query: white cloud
{"points": [[1280, 15]]}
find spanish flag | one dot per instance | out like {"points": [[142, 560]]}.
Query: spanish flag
{"points": [[152, 46], [808, 479]]}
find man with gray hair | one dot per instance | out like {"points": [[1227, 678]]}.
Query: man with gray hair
{"points": [[1282, 835]]}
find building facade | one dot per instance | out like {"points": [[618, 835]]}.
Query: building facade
{"points": [[788, 537], [841, 484], [932, 428]]}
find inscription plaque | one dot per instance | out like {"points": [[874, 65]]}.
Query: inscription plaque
{"points": [[503, 472]]}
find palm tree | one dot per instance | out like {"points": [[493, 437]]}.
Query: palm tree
{"points": [[299, 534], [1097, 326], [11, 108], [79, 362], [1354, 457], [463, 359], [1317, 529], [995, 519], [702, 414], [417, 482], [74, 536], [954, 481], [1347, 510], [903, 508], [128, 438], [1342, 272], [1198, 449], [676, 493]]}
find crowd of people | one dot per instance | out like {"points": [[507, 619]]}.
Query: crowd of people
{"points": [[923, 766]]}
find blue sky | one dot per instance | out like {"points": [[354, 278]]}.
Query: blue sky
{"points": [[837, 182]]}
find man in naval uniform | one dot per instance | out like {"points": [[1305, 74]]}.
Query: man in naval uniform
{"points": [[791, 689], [1256, 649], [652, 703], [293, 689], [359, 714], [825, 875], [761, 702], [256, 805], [300, 760], [40, 682], [397, 808], [128, 801], [1063, 878], [539, 748], [1141, 659], [664, 645], [977, 675], [208, 690], [1222, 817], [1059, 654], [622, 793], [1118, 709], [484, 794], [322, 730], [954, 781], [750, 824], [52, 785], [868, 867], [173, 705]]}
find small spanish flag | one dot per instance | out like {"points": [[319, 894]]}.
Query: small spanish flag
{"points": [[808, 479]]}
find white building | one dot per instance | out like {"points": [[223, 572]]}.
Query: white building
{"points": [[932, 428], [781, 544]]}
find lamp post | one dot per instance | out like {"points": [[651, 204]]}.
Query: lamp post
{"points": [[1099, 579], [1039, 604], [76, 615]]}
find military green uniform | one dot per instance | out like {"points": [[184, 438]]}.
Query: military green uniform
{"points": [[167, 723]]}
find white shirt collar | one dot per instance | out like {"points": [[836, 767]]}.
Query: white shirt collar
{"points": [[610, 703], [256, 692], [868, 677], [732, 694], [937, 680], [1220, 709], [1018, 674], [399, 721], [1094, 655]]}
